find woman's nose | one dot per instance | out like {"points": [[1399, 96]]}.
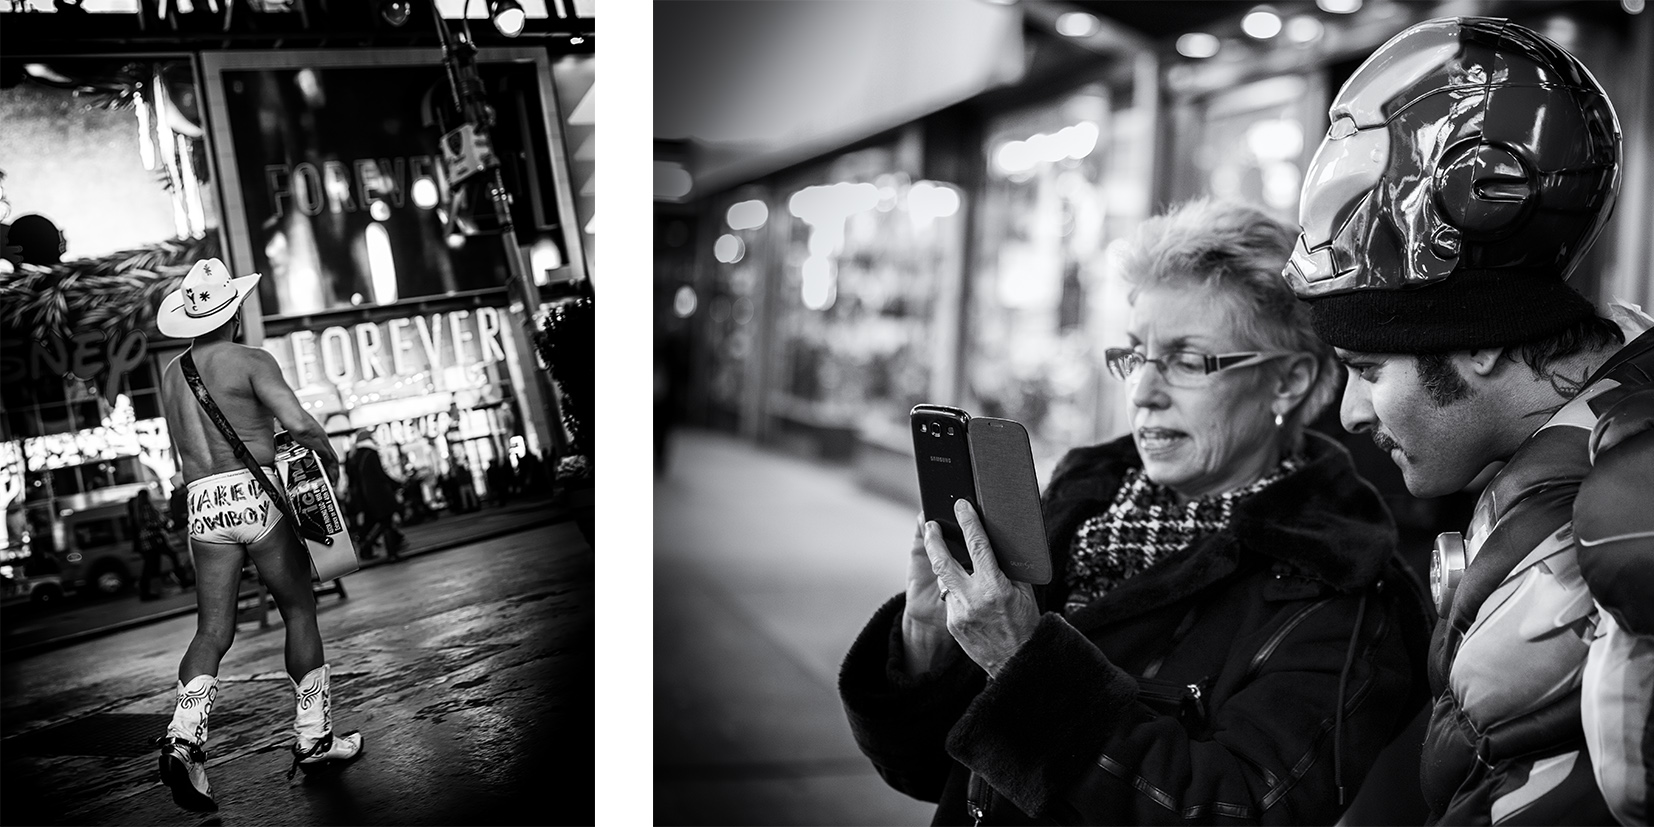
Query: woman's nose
{"points": [[1148, 387]]}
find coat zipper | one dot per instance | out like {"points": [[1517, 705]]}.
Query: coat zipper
{"points": [[1186, 696], [1274, 640], [976, 798]]}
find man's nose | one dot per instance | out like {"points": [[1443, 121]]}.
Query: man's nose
{"points": [[1355, 410]]}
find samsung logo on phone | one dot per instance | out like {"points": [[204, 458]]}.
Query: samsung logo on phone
{"points": [[941, 459]]}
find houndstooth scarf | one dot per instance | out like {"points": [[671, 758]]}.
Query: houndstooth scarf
{"points": [[1144, 525]]}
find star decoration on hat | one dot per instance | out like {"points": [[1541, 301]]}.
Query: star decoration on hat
{"points": [[205, 295]]}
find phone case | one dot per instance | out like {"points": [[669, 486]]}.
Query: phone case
{"points": [[1007, 491], [941, 451]]}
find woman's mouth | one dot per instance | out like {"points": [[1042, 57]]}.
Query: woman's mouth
{"points": [[1157, 439]]}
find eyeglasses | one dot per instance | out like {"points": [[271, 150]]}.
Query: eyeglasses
{"points": [[1182, 368]]}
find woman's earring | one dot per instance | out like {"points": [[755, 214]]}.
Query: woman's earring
{"points": [[1278, 420]]}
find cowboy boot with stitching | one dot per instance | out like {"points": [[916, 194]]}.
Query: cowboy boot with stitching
{"points": [[317, 748], [183, 753]]}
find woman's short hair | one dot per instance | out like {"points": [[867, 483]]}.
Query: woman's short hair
{"points": [[1238, 251]]}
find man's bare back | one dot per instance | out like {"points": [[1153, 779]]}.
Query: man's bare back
{"points": [[248, 387]]}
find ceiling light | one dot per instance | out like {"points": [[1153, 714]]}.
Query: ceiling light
{"points": [[1303, 29], [395, 12], [1197, 45], [508, 16], [1632, 6], [1261, 23], [1339, 6], [672, 181], [1077, 24], [747, 215], [729, 248]]}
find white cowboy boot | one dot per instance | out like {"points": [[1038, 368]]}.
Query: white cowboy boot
{"points": [[183, 753], [317, 747]]}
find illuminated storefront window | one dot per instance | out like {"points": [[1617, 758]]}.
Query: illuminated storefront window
{"points": [[435, 389], [1065, 180], [1253, 144], [99, 454], [871, 263], [740, 258]]}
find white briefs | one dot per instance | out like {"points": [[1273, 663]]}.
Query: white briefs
{"points": [[231, 508]]}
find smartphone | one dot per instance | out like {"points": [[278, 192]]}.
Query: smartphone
{"points": [[941, 449], [1002, 462]]}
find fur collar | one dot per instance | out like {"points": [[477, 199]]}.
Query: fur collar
{"points": [[1321, 523]]}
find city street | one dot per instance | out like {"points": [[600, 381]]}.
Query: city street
{"points": [[766, 567], [469, 672]]}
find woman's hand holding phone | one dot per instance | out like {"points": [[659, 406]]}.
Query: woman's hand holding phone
{"points": [[989, 614], [925, 621]]}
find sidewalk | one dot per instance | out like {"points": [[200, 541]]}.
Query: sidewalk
{"points": [[26, 632], [766, 567]]}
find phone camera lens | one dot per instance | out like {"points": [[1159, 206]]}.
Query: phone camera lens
{"points": [[950, 432]]}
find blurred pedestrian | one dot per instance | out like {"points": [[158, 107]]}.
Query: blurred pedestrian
{"points": [[150, 540], [498, 477], [531, 472], [466, 485], [177, 508], [374, 495], [415, 509], [671, 374]]}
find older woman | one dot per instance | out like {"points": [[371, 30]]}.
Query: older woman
{"points": [[1230, 633]]}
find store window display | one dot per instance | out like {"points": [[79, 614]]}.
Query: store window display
{"points": [[1066, 178], [739, 262], [1247, 143], [872, 259]]}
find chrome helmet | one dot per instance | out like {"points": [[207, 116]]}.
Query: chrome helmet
{"points": [[1463, 145]]}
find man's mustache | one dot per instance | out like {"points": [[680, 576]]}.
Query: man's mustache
{"points": [[1384, 442]]}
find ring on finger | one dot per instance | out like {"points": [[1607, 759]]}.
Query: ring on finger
{"points": [[944, 592]]}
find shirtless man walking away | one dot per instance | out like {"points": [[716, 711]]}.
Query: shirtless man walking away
{"points": [[231, 516]]}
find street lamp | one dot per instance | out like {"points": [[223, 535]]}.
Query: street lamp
{"points": [[467, 152], [507, 15]]}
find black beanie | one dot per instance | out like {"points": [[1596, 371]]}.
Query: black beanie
{"points": [[1468, 310]]}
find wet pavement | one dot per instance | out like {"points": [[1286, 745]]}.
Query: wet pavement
{"points": [[26, 629], [470, 674], [766, 567]]}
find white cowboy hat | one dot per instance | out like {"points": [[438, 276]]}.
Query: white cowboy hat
{"points": [[205, 300]]}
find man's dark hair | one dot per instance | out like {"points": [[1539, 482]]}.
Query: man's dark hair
{"points": [[1594, 333], [1443, 384]]}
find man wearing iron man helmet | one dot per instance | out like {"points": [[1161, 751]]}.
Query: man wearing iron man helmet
{"points": [[1469, 166]]}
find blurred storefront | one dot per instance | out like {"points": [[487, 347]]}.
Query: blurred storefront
{"points": [[387, 295], [962, 257]]}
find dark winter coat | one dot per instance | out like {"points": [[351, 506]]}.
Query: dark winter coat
{"points": [[1202, 688]]}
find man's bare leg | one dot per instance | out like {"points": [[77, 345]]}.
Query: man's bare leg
{"points": [[284, 567], [217, 581], [183, 747]]}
